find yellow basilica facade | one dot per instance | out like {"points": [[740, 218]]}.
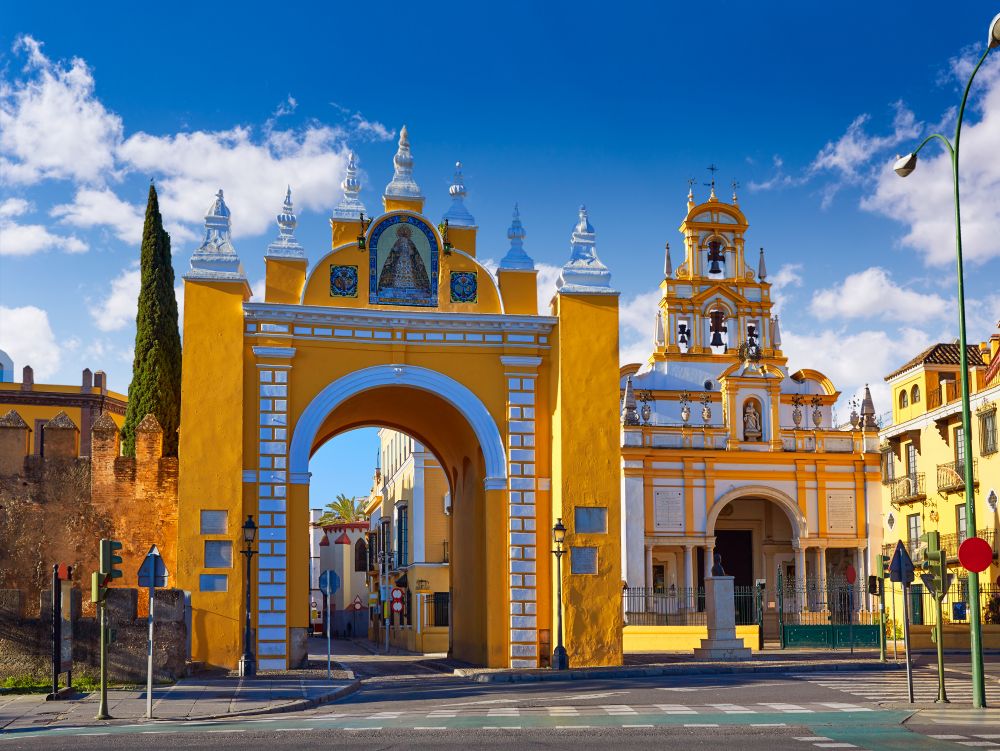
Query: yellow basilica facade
{"points": [[726, 451], [400, 326]]}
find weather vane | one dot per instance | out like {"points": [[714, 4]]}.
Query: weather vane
{"points": [[713, 169], [736, 186]]}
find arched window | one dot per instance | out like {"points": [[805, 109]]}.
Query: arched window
{"points": [[902, 399], [915, 394], [360, 555]]}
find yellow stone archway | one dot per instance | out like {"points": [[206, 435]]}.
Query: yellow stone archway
{"points": [[522, 407]]}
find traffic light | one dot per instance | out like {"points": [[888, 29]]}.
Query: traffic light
{"points": [[883, 566], [874, 585], [98, 587], [109, 561], [937, 562]]}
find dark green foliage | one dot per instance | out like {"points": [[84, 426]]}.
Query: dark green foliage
{"points": [[156, 370]]}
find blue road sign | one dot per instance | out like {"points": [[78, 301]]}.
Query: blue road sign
{"points": [[901, 566], [153, 571], [329, 582]]}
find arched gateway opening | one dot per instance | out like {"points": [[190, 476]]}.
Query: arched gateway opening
{"points": [[452, 423]]}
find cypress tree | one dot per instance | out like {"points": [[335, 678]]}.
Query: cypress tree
{"points": [[156, 369]]}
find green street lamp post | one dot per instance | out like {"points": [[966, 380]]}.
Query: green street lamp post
{"points": [[903, 167]]}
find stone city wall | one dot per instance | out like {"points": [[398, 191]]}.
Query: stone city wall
{"points": [[55, 508], [26, 642]]}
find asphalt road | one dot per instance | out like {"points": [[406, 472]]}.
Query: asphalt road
{"points": [[409, 703]]}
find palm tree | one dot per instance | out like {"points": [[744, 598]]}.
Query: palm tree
{"points": [[343, 509]]}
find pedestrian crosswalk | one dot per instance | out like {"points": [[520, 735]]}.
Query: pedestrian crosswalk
{"points": [[890, 685], [624, 711]]}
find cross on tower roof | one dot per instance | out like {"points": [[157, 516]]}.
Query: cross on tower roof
{"points": [[713, 169]]}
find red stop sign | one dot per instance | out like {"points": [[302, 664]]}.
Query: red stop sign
{"points": [[975, 554], [852, 574]]}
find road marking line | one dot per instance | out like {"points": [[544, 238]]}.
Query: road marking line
{"points": [[429, 727], [733, 709], [790, 708], [834, 745], [227, 730], [811, 738], [768, 725], [675, 709], [637, 726], [947, 737], [377, 727], [979, 744], [572, 727], [701, 724]]}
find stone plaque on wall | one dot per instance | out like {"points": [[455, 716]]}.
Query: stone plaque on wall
{"points": [[668, 509], [841, 512]]}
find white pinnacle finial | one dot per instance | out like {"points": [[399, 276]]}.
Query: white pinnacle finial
{"points": [[403, 184], [668, 267], [286, 246], [350, 206], [761, 268], [458, 215], [216, 257], [516, 258], [584, 273]]}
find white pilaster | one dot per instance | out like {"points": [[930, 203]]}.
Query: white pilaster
{"points": [[272, 507], [633, 532], [523, 489], [417, 505]]}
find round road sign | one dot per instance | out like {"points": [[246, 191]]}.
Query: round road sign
{"points": [[852, 574], [975, 554], [397, 593], [397, 606]]}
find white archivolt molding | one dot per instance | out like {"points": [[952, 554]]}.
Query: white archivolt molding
{"points": [[457, 395], [799, 526]]}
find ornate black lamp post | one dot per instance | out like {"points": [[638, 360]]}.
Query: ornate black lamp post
{"points": [[248, 662], [560, 660]]}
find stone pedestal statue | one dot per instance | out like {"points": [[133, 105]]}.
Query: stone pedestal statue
{"points": [[720, 611]]}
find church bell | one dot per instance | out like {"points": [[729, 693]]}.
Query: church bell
{"points": [[717, 339]]}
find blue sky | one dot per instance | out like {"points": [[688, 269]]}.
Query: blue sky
{"points": [[547, 105]]}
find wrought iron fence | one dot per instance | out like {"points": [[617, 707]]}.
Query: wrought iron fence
{"points": [[955, 606], [836, 604], [656, 606], [949, 543]]}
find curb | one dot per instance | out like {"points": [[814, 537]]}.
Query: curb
{"points": [[292, 706], [599, 673]]}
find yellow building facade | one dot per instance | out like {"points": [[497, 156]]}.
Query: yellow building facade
{"points": [[409, 511], [38, 403], [724, 450], [923, 482], [400, 326]]}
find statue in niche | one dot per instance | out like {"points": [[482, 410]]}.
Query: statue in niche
{"points": [[751, 423], [717, 569]]}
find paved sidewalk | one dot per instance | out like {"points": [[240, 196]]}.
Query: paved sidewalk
{"points": [[189, 699]]}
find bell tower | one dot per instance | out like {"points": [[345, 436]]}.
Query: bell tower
{"points": [[715, 300]]}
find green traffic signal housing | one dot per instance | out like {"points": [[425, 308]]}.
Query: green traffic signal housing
{"points": [[110, 562]]}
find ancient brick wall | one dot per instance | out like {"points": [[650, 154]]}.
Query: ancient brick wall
{"points": [[26, 642], [56, 508]]}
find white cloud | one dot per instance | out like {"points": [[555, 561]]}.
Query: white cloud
{"points": [[637, 316], [252, 171], [118, 309], [547, 277], [923, 202], [28, 239], [14, 207], [98, 207], [371, 130], [51, 124], [25, 335], [851, 154], [872, 293], [852, 359], [788, 276]]}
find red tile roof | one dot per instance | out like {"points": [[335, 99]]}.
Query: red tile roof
{"points": [[941, 354]]}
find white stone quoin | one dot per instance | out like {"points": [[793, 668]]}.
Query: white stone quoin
{"points": [[720, 612]]}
